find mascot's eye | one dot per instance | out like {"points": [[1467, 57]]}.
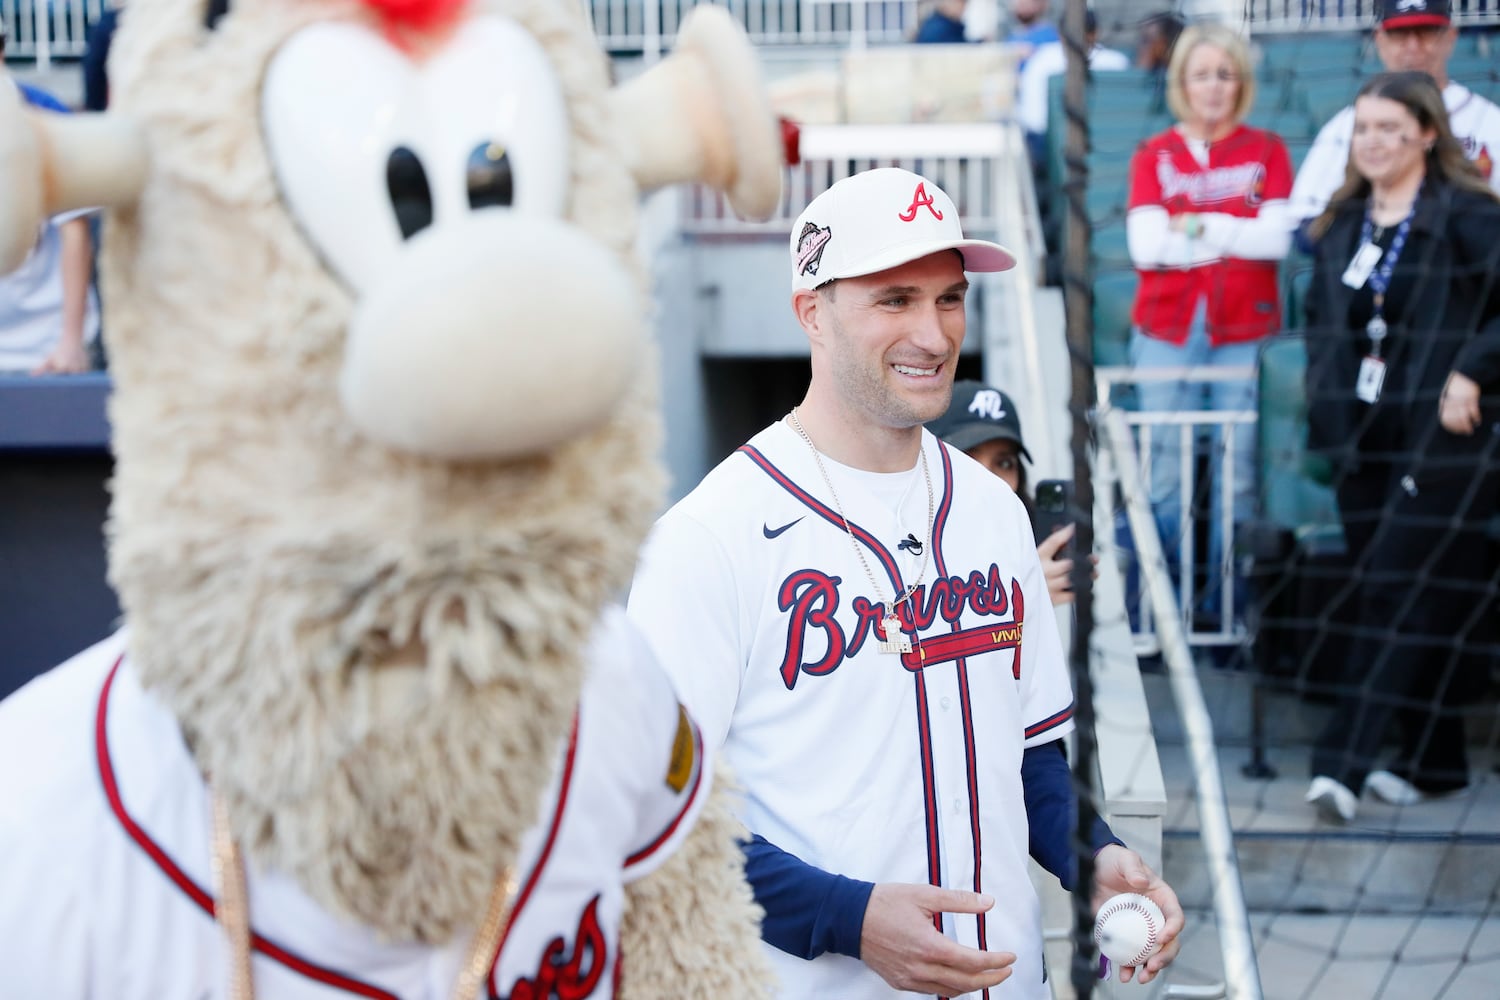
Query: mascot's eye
{"points": [[491, 182], [214, 10], [411, 197]]}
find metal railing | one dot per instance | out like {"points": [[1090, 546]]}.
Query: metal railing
{"points": [[1148, 427], [965, 160], [1347, 15], [1241, 975], [41, 29], [648, 25], [44, 29]]}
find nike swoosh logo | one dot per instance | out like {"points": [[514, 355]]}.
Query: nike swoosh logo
{"points": [[770, 532]]}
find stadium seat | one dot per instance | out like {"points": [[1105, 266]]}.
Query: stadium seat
{"points": [[1296, 273], [1294, 489], [1294, 123], [1298, 148], [1297, 51], [1109, 246], [1105, 202], [1471, 68], [1114, 298], [1297, 543]]}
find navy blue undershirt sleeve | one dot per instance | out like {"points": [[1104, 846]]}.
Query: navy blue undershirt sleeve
{"points": [[1052, 813], [809, 912], [1303, 239]]}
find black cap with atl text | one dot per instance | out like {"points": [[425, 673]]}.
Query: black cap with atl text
{"points": [[978, 414], [1415, 14]]}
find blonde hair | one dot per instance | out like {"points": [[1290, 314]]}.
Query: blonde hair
{"points": [[1220, 37]]}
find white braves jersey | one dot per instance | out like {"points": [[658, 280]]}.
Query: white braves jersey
{"points": [[877, 766], [1476, 125], [105, 851]]}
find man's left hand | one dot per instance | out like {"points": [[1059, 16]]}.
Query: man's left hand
{"points": [[1119, 869], [66, 359]]}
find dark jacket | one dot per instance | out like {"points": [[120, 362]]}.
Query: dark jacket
{"points": [[1449, 321]]}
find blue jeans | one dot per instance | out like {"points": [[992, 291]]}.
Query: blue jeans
{"points": [[1166, 441]]}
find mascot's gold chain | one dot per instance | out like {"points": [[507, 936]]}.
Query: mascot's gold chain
{"points": [[233, 915]]}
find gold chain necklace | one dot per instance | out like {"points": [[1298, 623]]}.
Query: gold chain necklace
{"points": [[890, 625], [232, 912]]}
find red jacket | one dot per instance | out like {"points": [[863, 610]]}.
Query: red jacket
{"points": [[1245, 169]]}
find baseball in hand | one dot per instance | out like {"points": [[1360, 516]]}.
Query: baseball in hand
{"points": [[1128, 929]]}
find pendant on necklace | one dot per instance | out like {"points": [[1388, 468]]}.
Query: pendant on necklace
{"points": [[891, 626]]}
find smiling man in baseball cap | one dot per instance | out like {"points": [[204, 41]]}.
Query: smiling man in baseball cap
{"points": [[880, 219], [798, 592], [878, 285]]}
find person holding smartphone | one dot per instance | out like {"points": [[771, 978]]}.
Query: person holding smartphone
{"points": [[984, 424]]}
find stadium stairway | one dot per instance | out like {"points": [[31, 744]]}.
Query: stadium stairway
{"points": [[1401, 903]]}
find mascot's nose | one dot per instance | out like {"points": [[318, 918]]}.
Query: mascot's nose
{"points": [[492, 336]]}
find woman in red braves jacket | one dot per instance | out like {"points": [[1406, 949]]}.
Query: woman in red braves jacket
{"points": [[1207, 225]]}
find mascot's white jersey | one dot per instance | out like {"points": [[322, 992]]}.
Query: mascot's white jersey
{"points": [[105, 878], [878, 766]]}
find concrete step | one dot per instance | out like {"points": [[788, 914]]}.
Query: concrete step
{"points": [[1434, 858], [1354, 957]]}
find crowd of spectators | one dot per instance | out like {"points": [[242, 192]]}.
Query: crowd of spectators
{"points": [[1393, 208]]}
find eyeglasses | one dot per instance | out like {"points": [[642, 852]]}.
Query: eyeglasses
{"points": [[1222, 76]]}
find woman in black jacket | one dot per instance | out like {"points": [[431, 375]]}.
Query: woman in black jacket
{"points": [[1403, 341]]}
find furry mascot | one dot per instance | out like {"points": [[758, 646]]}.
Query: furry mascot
{"points": [[386, 438]]}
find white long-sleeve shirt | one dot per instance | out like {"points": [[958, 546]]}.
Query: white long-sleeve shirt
{"points": [[1152, 242], [1475, 122]]}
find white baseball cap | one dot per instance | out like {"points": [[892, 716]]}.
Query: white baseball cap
{"points": [[878, 219]]}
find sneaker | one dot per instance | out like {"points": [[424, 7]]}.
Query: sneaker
{"points": [[1335, 802], [1397, 791], [1393, 789]]}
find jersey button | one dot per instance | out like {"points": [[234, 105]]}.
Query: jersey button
{"points": [[958, 805], [945, 703]]}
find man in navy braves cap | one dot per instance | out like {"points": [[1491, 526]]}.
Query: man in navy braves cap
{"points": [[1415, 14]]}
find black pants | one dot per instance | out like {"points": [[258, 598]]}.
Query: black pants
{"points": [[1426, 576]]}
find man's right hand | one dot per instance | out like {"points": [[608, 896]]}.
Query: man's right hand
{"points": [[900, 942]]}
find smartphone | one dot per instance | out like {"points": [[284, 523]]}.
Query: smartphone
{"points": [[1054, 509]]}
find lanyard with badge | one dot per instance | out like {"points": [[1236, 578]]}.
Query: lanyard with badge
{"points": [[1363, 268]]}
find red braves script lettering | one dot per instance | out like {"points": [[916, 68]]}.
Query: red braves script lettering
{"points": [[1202, 187], [811, 599], [568, 976], [920, 199]]}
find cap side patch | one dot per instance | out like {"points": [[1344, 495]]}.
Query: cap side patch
{"points": [[810, 244], [684, 753]]}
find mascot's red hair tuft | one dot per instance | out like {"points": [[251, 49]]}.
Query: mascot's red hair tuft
{"points": [[402, 17]]}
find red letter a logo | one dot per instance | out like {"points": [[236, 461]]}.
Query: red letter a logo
{"points": [[920, 199]]}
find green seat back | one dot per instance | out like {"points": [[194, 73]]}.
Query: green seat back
{"points": [[1114, 298], [1290, 491]]}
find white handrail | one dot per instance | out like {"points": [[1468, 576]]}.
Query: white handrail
{"points": [[1020, 230], [1241, 976], [1153, 425]]}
